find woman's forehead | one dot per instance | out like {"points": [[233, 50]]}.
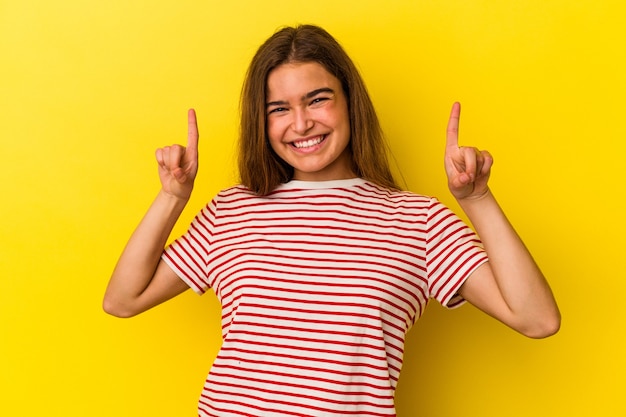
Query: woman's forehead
{"points": [[297, 80]]}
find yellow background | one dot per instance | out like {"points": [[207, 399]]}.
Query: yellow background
{"points": [[89, 89]]}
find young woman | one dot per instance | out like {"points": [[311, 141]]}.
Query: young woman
{"points": [[321, 263]]}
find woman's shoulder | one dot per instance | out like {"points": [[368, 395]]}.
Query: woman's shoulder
{"points": [[235, 189], [392, 194]]}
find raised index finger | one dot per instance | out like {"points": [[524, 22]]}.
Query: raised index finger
{"points": [[452, 132], [192, 131]]}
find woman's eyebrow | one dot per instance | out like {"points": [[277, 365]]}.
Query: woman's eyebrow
{"points": [[308, 95], [317, 91]]}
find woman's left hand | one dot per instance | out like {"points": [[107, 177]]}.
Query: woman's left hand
{"points": [[467, 168]]}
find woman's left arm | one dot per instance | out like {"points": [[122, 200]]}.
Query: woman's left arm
{"points": [[510, 287]]}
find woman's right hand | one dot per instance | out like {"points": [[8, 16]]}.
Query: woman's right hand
{"points": [[178, 165]]}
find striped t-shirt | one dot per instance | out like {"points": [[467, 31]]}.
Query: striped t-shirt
{"points": [[319, 283]]}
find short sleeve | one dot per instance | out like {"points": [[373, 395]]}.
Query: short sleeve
{"points": [[453, 252], [188, 255]]}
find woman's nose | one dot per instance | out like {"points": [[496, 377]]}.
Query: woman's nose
{"points": [[302, 121]]}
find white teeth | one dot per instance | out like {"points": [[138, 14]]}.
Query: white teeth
{"points": [[308, 143]]}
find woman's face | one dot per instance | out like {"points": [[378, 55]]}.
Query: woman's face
{"points": [[308, 123]]}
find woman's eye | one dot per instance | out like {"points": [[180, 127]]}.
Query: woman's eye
{"points": [[318, 100], [277, 110]]}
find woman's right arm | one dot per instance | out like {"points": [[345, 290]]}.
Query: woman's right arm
{"points": [[141, 280]]}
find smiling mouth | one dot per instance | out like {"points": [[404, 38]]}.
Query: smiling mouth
{"points": [[303, 144]]}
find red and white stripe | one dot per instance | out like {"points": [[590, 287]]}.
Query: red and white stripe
{"points": [[319, 283]]}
